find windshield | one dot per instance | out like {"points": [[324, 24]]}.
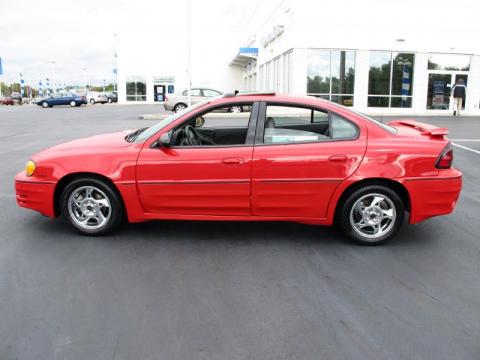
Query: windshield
{"points": [[148, 132]]}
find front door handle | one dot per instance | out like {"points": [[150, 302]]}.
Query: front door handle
{"points": [[232, 161], [338, 158]]}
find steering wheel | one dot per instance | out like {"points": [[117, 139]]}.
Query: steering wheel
{"points": [[192, 136]]}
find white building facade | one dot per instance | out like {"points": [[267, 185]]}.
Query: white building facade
{"points": [[377, 56], [373, 57]]}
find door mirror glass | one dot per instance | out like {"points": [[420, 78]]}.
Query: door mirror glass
{"points": [[165, 140], [199, 121]]}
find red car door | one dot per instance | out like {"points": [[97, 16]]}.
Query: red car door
{"points": [[301, 155], [199, 180]]}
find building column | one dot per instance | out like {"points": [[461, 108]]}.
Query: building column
{"points": [[360, 91], [298, 68], [420, 83], [473, 86]]}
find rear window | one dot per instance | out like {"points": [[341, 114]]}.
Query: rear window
{"points": [[384, 126]]}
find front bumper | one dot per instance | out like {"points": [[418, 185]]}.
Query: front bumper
{"points": [[35, 194], [168, 106], [433, 196]]}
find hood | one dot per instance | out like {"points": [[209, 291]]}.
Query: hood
{"points": [[89, 145]]}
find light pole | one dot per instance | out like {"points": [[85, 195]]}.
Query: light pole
{"points": [[189, 55], [84, 70], [54, 84]]}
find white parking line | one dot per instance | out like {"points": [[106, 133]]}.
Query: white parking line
{"points": [[465, 140], [466, 148]]}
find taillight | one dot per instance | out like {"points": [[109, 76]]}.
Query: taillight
{"points": [[445, 159]]}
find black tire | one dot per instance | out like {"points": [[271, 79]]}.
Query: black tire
{"points": [[179, 106], [109, 100], [92, 101], [73, 103], [45, 105], [116, 206], [391, 200]]}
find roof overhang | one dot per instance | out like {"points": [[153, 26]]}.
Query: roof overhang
{"points": [[245, 56]]}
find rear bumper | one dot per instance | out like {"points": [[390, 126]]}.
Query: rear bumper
{"points": [[35, 194], [168, 106], [436, 196]]}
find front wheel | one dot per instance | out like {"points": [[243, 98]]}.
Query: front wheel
{"points": [[372, 214], [91, 206], [73, 103], [44, 104], [92, 101]]}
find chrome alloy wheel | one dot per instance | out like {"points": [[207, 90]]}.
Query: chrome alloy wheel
{"points": [[89, 207], [236, 109], [180, 107], [373, 215]]}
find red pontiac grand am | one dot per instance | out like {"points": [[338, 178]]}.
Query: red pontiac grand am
{"points": [[280, 158]]}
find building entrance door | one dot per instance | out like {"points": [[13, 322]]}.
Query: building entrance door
{"points": [[440, 87], [159, 93]]}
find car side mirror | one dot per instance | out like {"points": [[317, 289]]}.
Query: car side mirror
{"points": [[165, 140], [199, 121]]}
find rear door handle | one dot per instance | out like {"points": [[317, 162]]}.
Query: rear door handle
{"points": [[232, 161], [338, 158]]}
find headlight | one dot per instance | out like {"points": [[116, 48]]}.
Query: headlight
{"points": [[30, 168]]}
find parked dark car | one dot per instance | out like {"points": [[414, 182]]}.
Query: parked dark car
{"points": [[7, 101], [112, 97], [63, 99]]}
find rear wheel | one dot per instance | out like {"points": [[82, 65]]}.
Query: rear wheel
{"points": [[73, 103], [92, 101], [236, 109], [91, 206], [179, 107], [44, 104], [372, 214]]}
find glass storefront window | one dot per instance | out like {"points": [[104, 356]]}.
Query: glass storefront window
{"points": [[136, 88], [331, 75], [390, 79], [449, 62]]}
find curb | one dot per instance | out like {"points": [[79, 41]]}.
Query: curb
{"points": [[153, 116]]}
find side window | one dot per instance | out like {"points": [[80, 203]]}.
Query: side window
{"points": [[224, 126], [341, 128], [210, 93], [194, 92], [290, 124]]}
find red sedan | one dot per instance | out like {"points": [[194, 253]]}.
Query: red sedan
{"points": [[7, 101], [282, 159]]}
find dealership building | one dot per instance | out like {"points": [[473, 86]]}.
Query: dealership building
{"points": [[386, 61]]}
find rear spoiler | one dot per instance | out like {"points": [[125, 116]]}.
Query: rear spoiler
{"points": [[425, 129]]}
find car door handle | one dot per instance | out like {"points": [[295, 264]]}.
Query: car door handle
{"points": [[338, 158], [232, 161]]}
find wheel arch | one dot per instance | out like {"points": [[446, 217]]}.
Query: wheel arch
{"points": [[65, 180], [396, 186]]}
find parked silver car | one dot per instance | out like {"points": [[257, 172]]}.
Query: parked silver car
{"points": [[179, 102], [94, 97]]}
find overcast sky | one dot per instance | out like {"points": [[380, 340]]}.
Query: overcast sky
{"points": [[77, 34]]}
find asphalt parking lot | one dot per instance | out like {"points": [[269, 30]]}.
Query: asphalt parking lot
{"points": [[228, 290]]}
